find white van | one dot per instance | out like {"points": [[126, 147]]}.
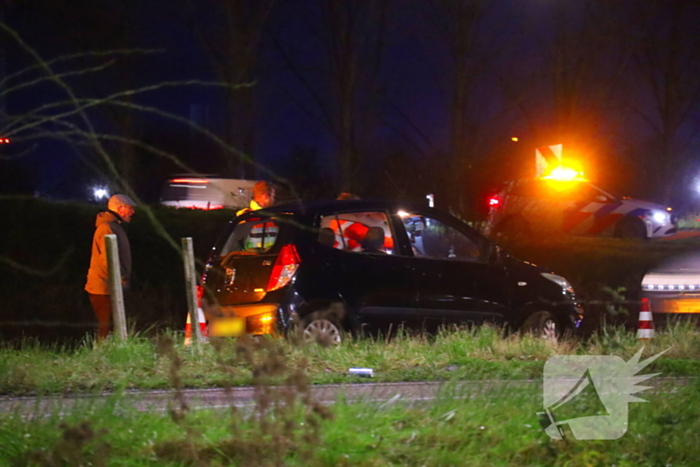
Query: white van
{"points": [[207, 192]]}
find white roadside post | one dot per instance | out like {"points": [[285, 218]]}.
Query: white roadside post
{"points": [[116, 292], [191, 286]]}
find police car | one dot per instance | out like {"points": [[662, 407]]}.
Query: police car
{"points": [[542, 205]]}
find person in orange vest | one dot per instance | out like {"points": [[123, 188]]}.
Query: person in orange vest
{"points": [[263, 197], [262, 236]]}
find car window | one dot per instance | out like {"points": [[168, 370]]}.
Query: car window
{"points": [[358, 232], [254, 235], [431, 238]]}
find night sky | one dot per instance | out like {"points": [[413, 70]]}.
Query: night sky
{"points": [[548, 72]]}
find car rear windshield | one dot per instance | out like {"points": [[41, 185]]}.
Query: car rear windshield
{"points": [[252, 235]]}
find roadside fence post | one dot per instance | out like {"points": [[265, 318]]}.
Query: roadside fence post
{"points": [[116, 292], [191, 286]]}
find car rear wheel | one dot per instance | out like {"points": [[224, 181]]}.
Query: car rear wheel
{"points": [[323, 330], [542, 324], [631, 227]]}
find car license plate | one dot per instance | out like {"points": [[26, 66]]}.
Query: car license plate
{"points": [[687, 305], [227, 327]]}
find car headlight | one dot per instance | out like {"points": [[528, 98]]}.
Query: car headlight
{"points": [[659, 216], [562, 282]]}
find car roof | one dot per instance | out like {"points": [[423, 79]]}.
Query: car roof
{"points": [[305, 211], [359, 205], [515, 182]]}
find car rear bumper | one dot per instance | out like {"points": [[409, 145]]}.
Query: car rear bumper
{"points": [[252, 319], [681, 304]]}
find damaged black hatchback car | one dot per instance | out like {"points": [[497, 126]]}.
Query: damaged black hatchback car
{"points": [[342, 268]]}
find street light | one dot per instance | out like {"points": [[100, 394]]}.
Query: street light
{"points": [[100, 193]]}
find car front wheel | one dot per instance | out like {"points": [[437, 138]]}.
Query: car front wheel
{"points": [[542, 324], [630, 227]]}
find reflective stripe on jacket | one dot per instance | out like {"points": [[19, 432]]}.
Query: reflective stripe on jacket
{"points": [[262, 235]]}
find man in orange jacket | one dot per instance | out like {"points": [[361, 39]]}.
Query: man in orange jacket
{"points": [[120, 208]]}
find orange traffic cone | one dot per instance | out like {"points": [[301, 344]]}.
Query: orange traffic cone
{"points": [[645, 330], [202, 327]]}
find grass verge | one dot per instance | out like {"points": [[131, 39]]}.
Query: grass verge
{"points": [[499, 428], [481, 353]]}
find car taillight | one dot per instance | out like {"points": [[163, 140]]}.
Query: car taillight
{"points": [[283, 271], [494, 201]]}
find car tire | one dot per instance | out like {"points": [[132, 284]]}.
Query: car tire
{"points": [[542, 324], [631, 228], [321, 328]]}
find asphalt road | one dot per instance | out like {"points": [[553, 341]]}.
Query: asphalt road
{"points": [[243, 397]]}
